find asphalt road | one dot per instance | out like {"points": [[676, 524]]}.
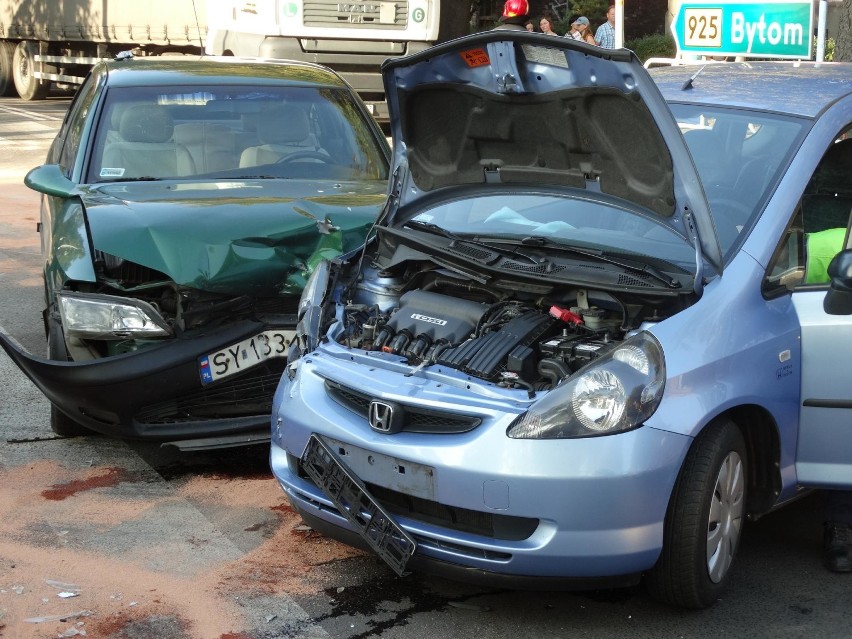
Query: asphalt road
{"points": [[206, 522]]}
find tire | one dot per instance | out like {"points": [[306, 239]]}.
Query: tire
{"points": [[60, 423], [704, 521], [7, 80], [23, 67]]}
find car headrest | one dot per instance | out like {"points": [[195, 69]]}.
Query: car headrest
{"points": [[146, 123], [283, 125]]}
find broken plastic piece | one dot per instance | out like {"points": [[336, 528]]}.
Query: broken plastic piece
{"points": [[61, 585], [66, 617]]}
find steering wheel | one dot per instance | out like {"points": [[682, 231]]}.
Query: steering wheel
{"points": [[322, 156]]}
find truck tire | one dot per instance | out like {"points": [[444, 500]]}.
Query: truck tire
{"points": [[7, 81], [23, 67]]}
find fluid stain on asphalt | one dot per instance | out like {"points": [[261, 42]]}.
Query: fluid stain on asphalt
{"points": [[112, 477], [396, 600]]}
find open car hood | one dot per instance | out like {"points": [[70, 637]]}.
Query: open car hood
{"points": [[511, 107]]}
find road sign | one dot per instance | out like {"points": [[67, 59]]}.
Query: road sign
{"points": [[769, 29]]}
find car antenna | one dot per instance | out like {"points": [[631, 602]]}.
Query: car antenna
{"points": [[688, 83], [198, 27]]}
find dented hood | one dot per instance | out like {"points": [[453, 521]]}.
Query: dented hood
{"points": [[516, 108], [256, 237]]}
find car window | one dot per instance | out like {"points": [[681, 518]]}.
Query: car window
{"points": [[234, 132], [739, 156], [820, 228], [75, 124]]}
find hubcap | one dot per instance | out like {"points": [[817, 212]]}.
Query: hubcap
{"points": [[726, 517]]}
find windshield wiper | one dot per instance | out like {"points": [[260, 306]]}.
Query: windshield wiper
{"points": [[429, 227], [639, 267]]}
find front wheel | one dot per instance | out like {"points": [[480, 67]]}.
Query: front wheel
{"points": [[704, 521]]}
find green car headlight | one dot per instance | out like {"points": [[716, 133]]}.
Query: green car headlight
{"points": [[612, 394], [108, 317]]}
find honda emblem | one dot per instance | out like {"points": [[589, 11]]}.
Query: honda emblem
{"points": [[385, 417]]}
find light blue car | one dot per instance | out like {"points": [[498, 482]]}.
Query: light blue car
{"points": [[596, 328]]}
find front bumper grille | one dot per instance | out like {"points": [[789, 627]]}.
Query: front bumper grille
{"points": [[484, 524], [246, 395], [416, 419]]}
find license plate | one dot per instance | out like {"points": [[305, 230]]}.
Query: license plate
{"points": [[348, 493], [243, 355]]}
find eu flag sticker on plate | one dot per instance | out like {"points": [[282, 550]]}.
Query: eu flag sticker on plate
{"points": [[204, 369], [475, 57]]}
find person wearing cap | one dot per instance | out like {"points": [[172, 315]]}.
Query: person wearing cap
{"points": [[580, 31], [515, 15]]}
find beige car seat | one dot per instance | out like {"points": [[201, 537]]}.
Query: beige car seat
{"points": [[146, 147]]}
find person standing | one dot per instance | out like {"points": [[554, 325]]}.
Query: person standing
{"points": [[515, 15], [546, 26], [580, 30], [605, 35], [529, 26]]}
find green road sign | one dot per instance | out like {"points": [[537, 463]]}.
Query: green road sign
{"points": [[769, 29]]}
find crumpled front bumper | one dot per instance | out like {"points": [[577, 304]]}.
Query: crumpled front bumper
{"points": [[144, 394], [596, 505]]}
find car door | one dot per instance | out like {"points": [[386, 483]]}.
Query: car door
{"points": [[824, 455]]}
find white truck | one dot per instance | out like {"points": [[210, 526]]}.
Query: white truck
{"points": [[45, 41], [352, 37]]}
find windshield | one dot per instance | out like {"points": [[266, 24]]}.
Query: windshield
{"points": [[562, 220], [234, 132], [739, 155]]}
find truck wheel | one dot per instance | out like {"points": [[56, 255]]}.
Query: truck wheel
{"points": [[60, 423], [704, 521], [7, 81], [23, 67]]}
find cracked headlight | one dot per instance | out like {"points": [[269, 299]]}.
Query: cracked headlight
{"points": [[310, 312], [93, 316], [613, 394]]}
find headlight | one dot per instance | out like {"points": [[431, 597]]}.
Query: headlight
{"points": [[92, 316], [310, 312], [612, 394]]}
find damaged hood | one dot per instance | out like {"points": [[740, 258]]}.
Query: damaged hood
{"points": [[511, 107], [252, 237]]}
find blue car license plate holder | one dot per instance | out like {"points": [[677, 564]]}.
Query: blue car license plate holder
{"points": [[348, 493]]}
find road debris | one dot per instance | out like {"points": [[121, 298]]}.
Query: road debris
{"points": [[65, 617]]}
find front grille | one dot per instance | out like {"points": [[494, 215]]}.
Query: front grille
{"points": [[493, 526], [245, 395], [356, 14], [416, 419]]}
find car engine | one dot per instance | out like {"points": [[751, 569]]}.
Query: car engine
{"points": [[516, 339]]}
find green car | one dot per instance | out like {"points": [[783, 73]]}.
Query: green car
{"points": [[185, 204]]}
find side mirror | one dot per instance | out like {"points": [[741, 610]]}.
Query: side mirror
{"points": [[838, 300], [50, 180]]}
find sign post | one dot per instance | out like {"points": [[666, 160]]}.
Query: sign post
{"points": [[768, 29]]}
